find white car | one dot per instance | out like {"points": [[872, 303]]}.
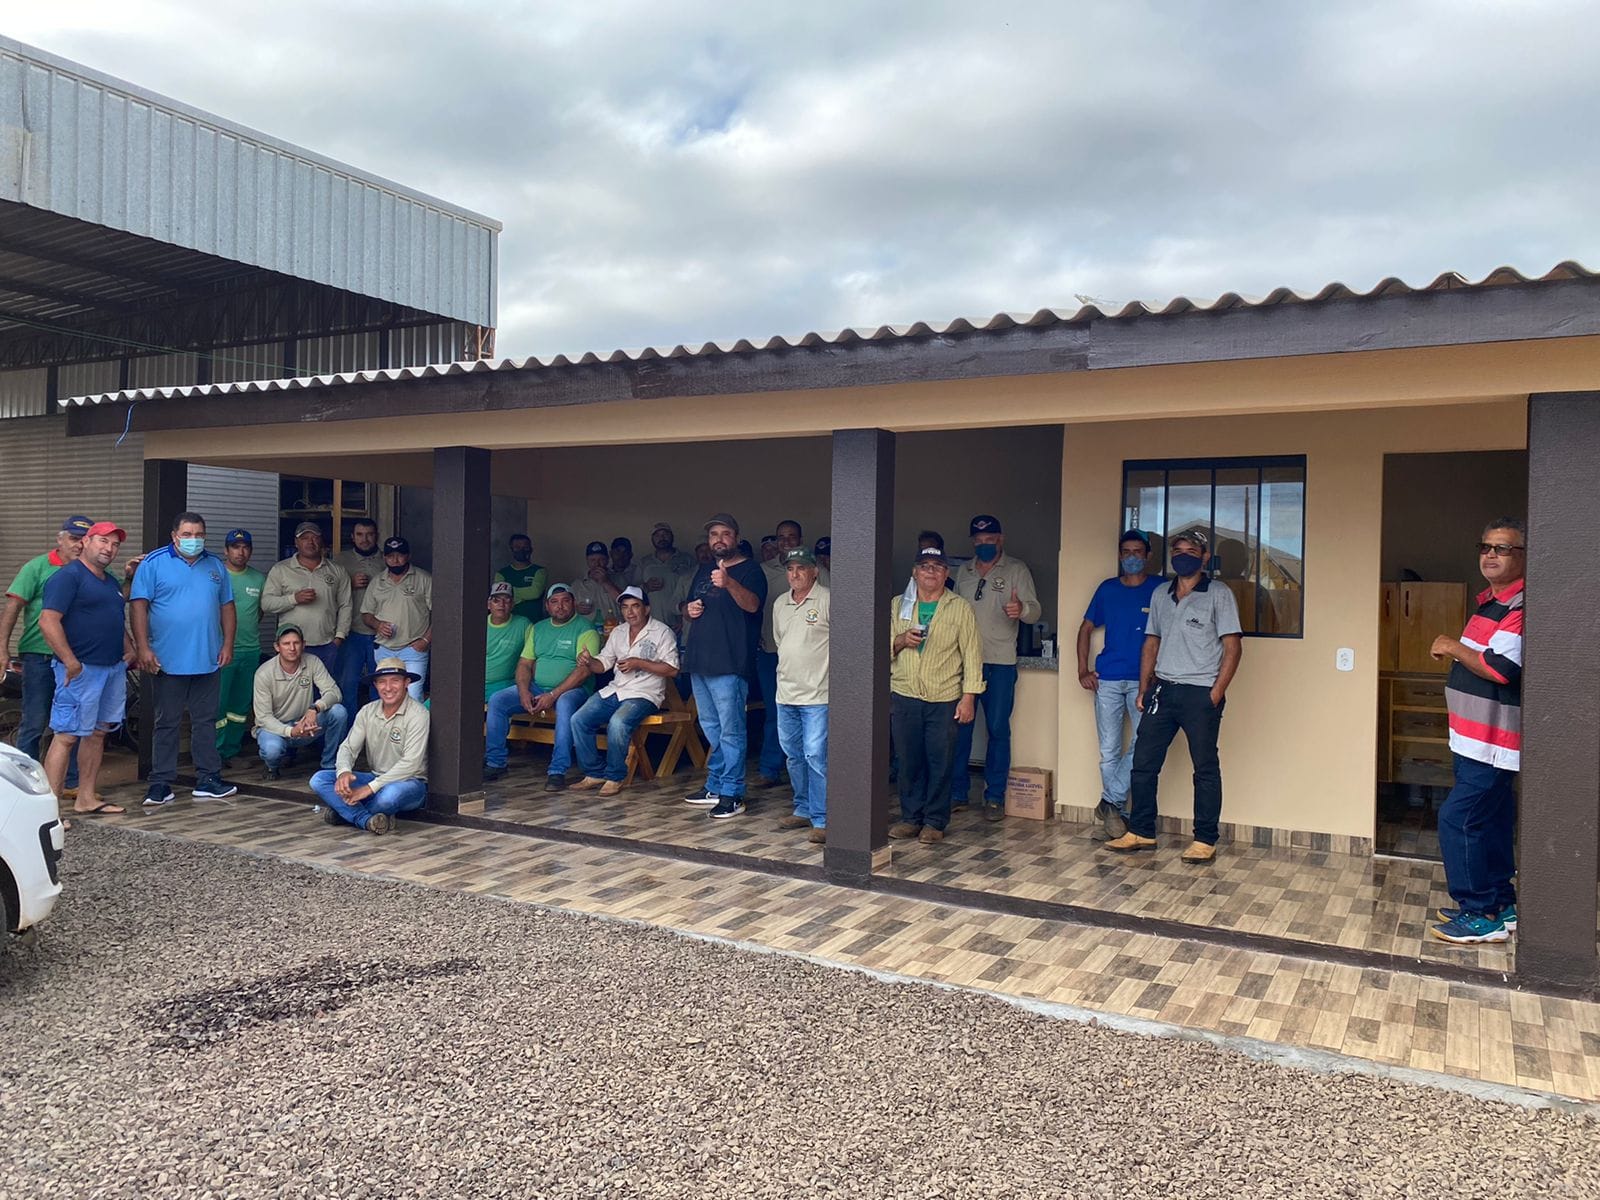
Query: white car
{"points": [[30, 841]]}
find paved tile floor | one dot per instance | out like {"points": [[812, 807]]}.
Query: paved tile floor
{"points": [[1483, 1033]]}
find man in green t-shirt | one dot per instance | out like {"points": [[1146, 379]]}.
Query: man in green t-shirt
{"points": [[549, 657], [526, 577], [507, 632], [238, 677], [25, 599]]}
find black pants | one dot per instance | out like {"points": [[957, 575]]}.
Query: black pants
{"points": [[925, 738], [200, 696], [1169, 707]]}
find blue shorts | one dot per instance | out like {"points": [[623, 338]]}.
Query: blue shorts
{"points": [[91, 703]]}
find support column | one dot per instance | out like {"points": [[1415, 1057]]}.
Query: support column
{"points": [[1559, 822], [166, 494], [460, 583], [858, 651]]}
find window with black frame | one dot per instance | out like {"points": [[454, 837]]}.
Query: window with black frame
{"points": [[1253, 509]]}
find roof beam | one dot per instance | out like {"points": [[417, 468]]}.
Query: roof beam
{"points": [[98, 266], [63, 296]]}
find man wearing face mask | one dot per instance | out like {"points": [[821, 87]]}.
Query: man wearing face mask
{"points": [[1122, 606], [399, 611], [184, 625], [527, 579], [1191, 651], [1001, 592]]}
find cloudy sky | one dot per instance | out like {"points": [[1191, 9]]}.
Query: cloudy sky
{"points": [[695, 171]]}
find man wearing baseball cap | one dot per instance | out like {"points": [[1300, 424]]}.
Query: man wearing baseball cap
{"points": [[800, 617], [789, 536], [624, 572], [25, 599], [507, 631], [824, 553], [1001, 591], [296, 702], [594, 593], [665, 574], [724, 624], [1191, 652], [312, 592], [393, 731], [238, 677], [399, 611], [544, 682], [82, 623]]}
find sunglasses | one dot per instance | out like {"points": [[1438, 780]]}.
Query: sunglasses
{"points": [[1488, 548]]}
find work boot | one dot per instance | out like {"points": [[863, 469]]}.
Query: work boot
{"points": [[930, 835], [817, 837], [1199, 853], [904, 829], [1130, 843], [793, 821]]}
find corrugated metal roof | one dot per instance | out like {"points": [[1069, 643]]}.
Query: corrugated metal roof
{"points": [[1044, 317], [85, 145]]}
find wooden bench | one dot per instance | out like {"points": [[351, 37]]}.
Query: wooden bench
{"points": [[677, 724]]}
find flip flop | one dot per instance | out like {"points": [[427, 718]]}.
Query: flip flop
{"points": [[104, 809]]}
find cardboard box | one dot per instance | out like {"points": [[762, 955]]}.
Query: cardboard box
{"points": [[1029, 795]]}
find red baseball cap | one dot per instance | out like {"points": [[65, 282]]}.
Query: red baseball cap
{"points": [[101, 528]]}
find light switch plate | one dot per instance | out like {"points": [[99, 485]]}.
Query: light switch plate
{"points": [[1344, 659]]}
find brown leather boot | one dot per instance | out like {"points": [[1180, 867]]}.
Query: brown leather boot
{"points": [[1130, 843]]}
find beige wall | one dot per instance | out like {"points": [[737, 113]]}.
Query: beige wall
{"points": [[1299, 740]]}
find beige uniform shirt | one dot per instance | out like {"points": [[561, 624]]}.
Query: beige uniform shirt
{"points": [[355, 563], [604, 604], [950, 662], [675, 575], [406, 603], [801, 634], [777, 585], [280, 699], [655, 642], [999, 631], [325, 618], [397, 746]]}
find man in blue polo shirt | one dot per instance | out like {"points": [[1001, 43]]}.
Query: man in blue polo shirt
{"points": [[1122, 606], [183, 625]]}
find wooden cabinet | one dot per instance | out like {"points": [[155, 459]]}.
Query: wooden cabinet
{"points": [[1410, 616], [1413, 730]]}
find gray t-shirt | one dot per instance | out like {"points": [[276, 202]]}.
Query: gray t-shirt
{"points": [[1191, 631]]}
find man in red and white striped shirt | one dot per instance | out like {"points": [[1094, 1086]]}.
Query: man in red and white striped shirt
{"points": [[1477, 821]]}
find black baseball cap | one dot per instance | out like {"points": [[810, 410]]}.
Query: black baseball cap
{"points": [[596, 548], [984, 523], [824, 546], [622, 543], [931, 554], [397, 545]]}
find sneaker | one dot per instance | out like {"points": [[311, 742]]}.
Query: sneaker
{"points": [[794, 821], [159, 795], [329, 817], [379, 823], [1469, 929], [1130, 843], [1111, 820], [1507, 915], [490, 774], [901, 830], [611, 787], [930, 835], [727, 806], [270, 774], [817, 837], [555, 783], [994, 812], [704, 798], [213, 787]]}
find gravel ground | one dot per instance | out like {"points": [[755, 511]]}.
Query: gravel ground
{"points": [[195, 1022]]}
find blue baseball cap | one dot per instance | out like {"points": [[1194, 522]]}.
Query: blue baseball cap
{"points": [[77, 526], [984, 523], [824, 546], [596, 548], [237, 536]]}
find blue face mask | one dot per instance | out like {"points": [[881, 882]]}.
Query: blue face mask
{"points": [[1133, 564], [191, 547], [987, 552], [1187, 564]]}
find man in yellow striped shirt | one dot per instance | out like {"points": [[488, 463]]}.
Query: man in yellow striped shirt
{"points": [[935, 677]]}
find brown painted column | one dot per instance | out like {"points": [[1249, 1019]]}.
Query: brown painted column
{"points": [[166, 494], [858, 652], [460, 585], [1558, 852]]}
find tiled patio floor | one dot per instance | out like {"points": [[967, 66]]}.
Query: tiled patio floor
{"points": [[1477, 1032]]}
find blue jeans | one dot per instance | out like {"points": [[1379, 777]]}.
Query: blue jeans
{"points": [[772, 752], [506, 703], [328, 655], [402, 796], [330, 729], [803, 730], [999, 694], [416, 662], [355, 664], [618, 718], [38, 691], [1114, 699], [721, 700], [1477, 824]]}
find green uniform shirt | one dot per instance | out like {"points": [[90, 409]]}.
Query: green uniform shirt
{"points": [[554, 648], [247, 586], [527, 589], [28, 587], [504, 648]]}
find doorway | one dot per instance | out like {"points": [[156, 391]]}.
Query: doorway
{"points": [[1434, 509]]}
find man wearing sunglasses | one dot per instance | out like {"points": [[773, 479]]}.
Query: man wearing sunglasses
{"points": [[1477, 820]]}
